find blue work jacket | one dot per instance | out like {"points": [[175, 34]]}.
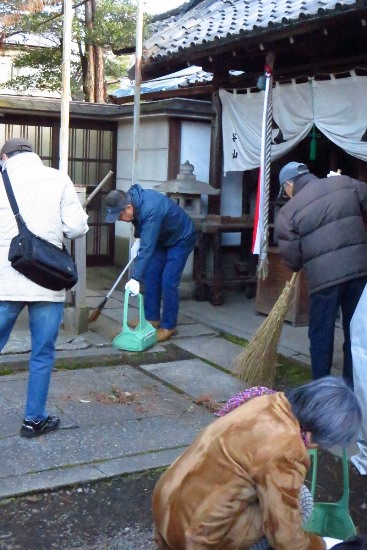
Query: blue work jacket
{"points": [[159, 222]]}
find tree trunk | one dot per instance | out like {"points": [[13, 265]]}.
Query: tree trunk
{"points": [[89, 77], [99, 90]]}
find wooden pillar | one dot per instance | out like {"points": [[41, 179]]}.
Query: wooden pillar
{"points": [[76, 311]]}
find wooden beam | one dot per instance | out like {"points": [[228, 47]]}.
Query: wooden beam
{"points": [[174, 151]]}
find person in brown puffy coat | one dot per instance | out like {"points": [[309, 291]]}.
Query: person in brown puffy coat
{"points": [[240, 479], [321, 229]]}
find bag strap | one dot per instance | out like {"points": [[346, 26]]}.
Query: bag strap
{"points": [[12, 199]]}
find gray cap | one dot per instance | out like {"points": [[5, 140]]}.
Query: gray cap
{"points": [[16, 144], [116, 203], [291, 171]]}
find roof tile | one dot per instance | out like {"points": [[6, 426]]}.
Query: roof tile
{"points": [[220, 20]]}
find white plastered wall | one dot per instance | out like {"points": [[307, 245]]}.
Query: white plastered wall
{"points": [[195, 147], [151, 166]]}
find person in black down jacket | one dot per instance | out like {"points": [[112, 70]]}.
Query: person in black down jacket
{"points": [[321, 229], [165, 237]]}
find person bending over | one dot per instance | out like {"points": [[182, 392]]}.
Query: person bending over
{"points": [[240, 479], [165, 238]]}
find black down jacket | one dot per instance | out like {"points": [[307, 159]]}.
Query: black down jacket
{"points": [[321, 229]]}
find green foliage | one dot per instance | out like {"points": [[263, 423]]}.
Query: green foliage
{"points": [[46, 71], [115, 69], [113, 26], [116, 66], [44, 62]]}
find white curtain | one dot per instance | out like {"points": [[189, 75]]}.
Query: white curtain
{"points": [[341, 113], [338, 107]]}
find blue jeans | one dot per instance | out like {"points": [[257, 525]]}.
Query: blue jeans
{"points": [[161, 281], [44, 323], [324, 307]]}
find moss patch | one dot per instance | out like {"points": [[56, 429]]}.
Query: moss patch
{"points": [[291, 373], [234, 339], [5, 370]]}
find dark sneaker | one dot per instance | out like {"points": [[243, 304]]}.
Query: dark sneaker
{"points": [[32, 428]]}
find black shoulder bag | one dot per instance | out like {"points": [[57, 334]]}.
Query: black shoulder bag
{"points": [[37, 259]]}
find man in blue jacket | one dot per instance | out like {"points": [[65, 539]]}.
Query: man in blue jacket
{"points": [[165, 237]]}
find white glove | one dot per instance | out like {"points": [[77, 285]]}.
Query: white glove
{"points": [[134, 250], [331, 173], [133, 287]]}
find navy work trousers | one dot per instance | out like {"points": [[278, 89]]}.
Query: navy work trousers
{"points": [[162, 280], [324, 307]]}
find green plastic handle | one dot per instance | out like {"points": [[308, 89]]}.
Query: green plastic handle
{"points": [[142, 321]]}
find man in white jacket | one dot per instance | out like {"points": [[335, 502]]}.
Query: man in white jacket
{"points": [[51, 208], [358, 338]]}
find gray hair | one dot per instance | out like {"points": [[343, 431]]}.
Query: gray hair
{"points": [[327, 408]]}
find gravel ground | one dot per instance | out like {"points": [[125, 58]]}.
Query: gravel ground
{"points": [[114, 515]]}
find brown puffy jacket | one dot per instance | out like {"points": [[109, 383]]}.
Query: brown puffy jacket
{"points": [[239, 480], [321, 229]]}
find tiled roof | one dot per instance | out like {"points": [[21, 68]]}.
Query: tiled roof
{"points": [[30, 40], [52, 107], [215, 22], [169, 17], [93, 111], [180, 79]]}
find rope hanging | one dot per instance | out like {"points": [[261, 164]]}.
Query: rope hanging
{"points": [[265, 161], [314, 135]]}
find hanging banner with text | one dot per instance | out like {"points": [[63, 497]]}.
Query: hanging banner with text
{"points": [[338, 107]]}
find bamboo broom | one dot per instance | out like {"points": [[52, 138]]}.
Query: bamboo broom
{"points": [[98, 310], [256, 365]]}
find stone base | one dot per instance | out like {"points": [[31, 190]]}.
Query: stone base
{"points": [[186, 290], [76, 319]]}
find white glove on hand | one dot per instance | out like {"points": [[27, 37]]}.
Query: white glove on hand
{"points": [[133, 287], [134, 251]]}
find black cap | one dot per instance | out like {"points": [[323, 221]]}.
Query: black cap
{"points": [[116, 203], [16, 144], [289, 172]]}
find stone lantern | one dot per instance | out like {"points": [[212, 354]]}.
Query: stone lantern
{"points": [[186, 190]]}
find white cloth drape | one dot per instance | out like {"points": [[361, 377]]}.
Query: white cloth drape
{"points": [[341, 113], [338, 107]]}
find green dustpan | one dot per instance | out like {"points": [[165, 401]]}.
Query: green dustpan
{"points": [[140, 338], [331, 519]]}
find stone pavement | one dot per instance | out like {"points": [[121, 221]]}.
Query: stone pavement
{"points": [[124, 412]]}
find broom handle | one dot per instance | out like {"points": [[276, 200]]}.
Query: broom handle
{"points": [[294, 276], [120, 277], [95, 191]]}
